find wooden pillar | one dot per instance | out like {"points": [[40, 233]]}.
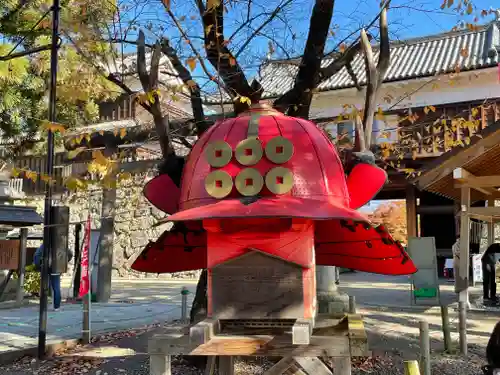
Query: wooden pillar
{"points": [[463, 274], [106, 245], [491, 225], [23, 237], [411, 212]]}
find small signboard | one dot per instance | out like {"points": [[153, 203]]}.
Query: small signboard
{"points": [[424, 283], [477, 269], [9, 254]]}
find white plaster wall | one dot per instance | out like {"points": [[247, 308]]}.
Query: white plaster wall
{"points": [[464, 87]]}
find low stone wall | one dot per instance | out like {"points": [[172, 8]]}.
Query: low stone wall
{"points": [[133, 224]]}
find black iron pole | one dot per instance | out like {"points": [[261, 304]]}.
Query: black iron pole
{"points": [[47, 247]]}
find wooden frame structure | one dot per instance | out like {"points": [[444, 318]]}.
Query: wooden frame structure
{"points": [[467, 175], [339, 338]]}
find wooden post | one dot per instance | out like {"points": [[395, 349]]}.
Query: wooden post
{"points": [[226, 365], [411, 211], [23, 237], [352, 305], [160, 364], [425, 350], [104, 271], [445, 320], [462, 327], [463, 272], [411, 368], [491, 225], [342, 366]]}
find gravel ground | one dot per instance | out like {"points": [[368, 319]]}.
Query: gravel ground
{"points": [[123, 353]]}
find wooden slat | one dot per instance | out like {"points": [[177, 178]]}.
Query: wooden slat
{"points": [[313, 366], [280, 367], [262, 345]]}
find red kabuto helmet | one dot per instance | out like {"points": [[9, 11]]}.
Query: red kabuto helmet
{"points": [[264, 164]]}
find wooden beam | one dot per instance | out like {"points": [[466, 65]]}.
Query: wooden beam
{"points": [[313, 365], [485, 211], [486, 181], [444, 165], [464, 176]]}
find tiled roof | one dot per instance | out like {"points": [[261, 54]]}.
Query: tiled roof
{"points": [[410, 59]]}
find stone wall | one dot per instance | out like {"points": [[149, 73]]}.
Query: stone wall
{"points": [[133, 226]]}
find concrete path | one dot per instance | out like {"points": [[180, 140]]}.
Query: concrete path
{"points": [[134, 304], [392, 291]]}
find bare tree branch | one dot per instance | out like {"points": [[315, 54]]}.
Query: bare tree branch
{"points": [[16, 55], [374, 73], [221, 57], [264, 24], [142, 71], [185, 75], [149, 82], [297, 100]]}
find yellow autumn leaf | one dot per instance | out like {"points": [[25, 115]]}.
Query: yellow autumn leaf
{"points": [[244, 99], [342, 48], [212, 4], [426, 110], [208, 28], [464, 52], [53, 127], [166, 4], [45, 178], [74, 153], [432, 108], [467, 141], [474, 112], [191, 62], [31, 175], [88, 137], [99, 158], [470, 9], [414, 154], [450, 3], [191, 84], [15, 172], [123, 133], [71, 183], [101, 132], [124, 176]]}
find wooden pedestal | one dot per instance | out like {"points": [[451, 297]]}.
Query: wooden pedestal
{"points": [[341, 339]]}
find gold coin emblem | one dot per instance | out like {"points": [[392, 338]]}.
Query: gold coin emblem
{"points": [[279, 150], [249, 182], [218, 184], [218, 154], [279, 180], [249, 151]]}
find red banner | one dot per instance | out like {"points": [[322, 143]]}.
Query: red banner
{"points": [[85, 278]]}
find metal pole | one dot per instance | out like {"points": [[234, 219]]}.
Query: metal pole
{"points": [[42, 322], [77, 258], [184, 294]]}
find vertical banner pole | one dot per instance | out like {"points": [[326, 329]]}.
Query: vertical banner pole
{"points": [[84, 291]]}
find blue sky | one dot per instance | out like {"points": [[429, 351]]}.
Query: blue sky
{"points": [[407, 19]]}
